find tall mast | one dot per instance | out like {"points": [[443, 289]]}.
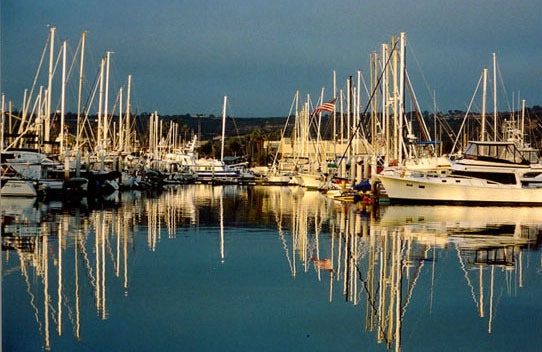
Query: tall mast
{"points": [[334, 114], [62, 98], [484, 93], [47, 123], [105, 119], [395, 100], [318, 127], [358, 113], [223, 128], [120, 142], [385, 101], [374, 102], [523, 122], [402, 68], [494, 96], [81, 65], [348, 112], [128, 123], [99, 142], [2, 125]]}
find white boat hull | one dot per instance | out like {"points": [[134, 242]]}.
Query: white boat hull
{"points": [[278, 179], [309, 181], [18, 188], [425, 188]]}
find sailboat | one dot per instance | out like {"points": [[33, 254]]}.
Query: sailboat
{"points": [[211, 170]]}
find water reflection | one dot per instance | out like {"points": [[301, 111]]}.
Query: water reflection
{"points": [[488, 241], [73, 258]]}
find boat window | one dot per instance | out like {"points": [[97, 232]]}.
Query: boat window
{"points": [[507, 178]]}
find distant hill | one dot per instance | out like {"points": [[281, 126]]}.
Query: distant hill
{"points": [[211, 126]]}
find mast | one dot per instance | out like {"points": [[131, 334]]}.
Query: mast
{"points": [[395, 101], [62, 98], [334, 115], [99, 142], [120, 142], [47, 123], [483, 133], [494, 97], [106, 103], [522, 122], [81, 65], [26, 104], [385, 101], [358, 113], [223, 128], [348, 112], [402, 67], [2, 124], [373, 59], [128, 123]]}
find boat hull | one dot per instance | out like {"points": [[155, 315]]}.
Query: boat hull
{"points": [[309, 181], [18, 188], [435, 189]]}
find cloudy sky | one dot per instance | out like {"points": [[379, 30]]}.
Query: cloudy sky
{"points": [[184, 56]]}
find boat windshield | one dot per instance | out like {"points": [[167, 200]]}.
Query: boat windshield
{"points": [[494, 151]]}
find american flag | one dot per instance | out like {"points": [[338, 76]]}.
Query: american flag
{"points": [[329, 107]]}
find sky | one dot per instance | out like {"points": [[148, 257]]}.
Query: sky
{"points": [[185, 56]]}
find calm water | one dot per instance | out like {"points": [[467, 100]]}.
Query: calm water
{"points": [[229, 268]]}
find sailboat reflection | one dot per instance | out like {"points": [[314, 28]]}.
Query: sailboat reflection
{"points": [[406, 238], [379, 255], [76, 261], [60, 251]]}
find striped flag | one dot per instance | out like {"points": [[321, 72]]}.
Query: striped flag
{"points": [[329, 107]]}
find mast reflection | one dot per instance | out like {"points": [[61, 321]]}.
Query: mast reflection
{"points": [[371, 258], [377, 255], [61, 250]]}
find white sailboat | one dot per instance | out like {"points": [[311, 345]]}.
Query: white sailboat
{"points": [[211, 170]]}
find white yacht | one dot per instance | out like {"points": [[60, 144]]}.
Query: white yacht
{"points": [[486, 172]]}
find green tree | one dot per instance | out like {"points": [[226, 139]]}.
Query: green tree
{"points": [[255, 150], [234, 146]]}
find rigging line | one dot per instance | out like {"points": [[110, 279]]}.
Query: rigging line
{"points": [[364, 113], [501, 81], [235, 125], [419, 118], [25, 108], [283, 132], [73, 63], [466, 114], [89, 101], [313, 124], [415, 102], [433, 97]]}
